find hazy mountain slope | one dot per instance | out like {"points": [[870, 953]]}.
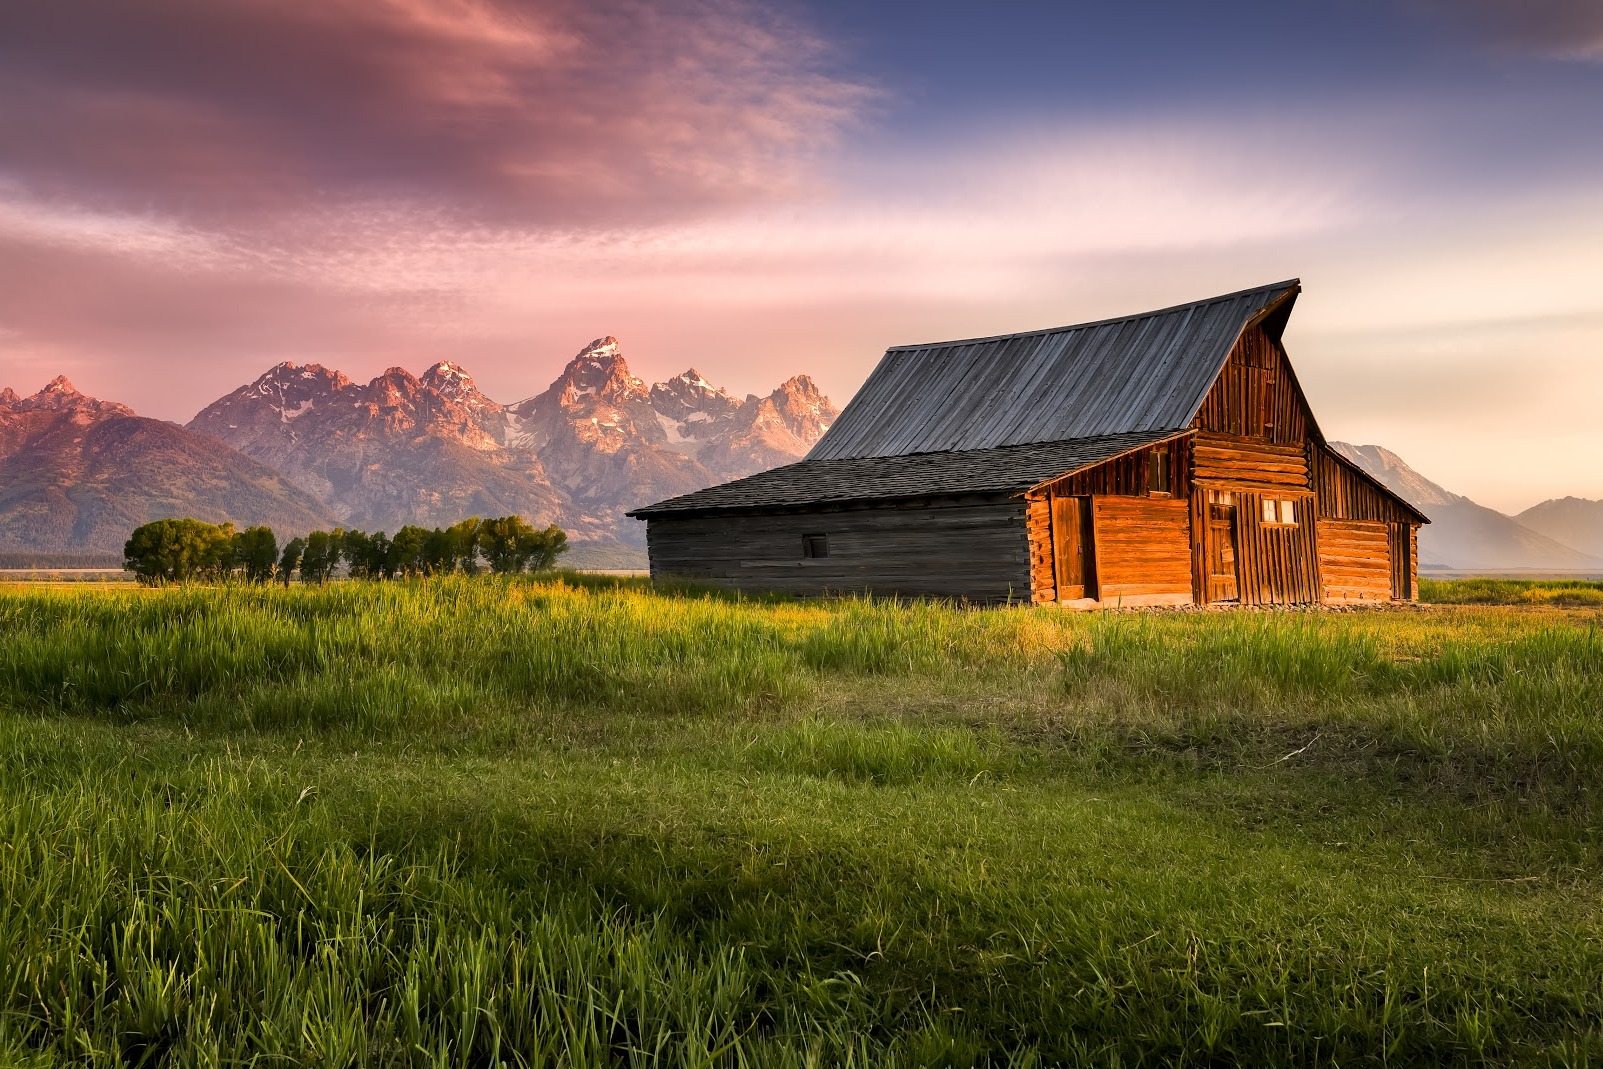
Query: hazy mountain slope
{"points": [[1463, 534], [1574, 521], [80, 473]]}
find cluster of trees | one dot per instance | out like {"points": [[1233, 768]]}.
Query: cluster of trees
{"points": [[179, 550]]}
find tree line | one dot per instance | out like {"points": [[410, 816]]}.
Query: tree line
{"points": [[183, 550]]}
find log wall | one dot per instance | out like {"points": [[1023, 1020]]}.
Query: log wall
{"points": [[1143, 550], [1232, 462], [1355, 561], [1127, 475], [1118, 492], [976, 551], [1043, 574], [1346, 496]]}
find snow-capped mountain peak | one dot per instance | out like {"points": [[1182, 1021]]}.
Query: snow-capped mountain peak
{"points": [[595, 442]]}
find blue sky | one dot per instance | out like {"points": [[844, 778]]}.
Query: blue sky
{"points": [[193, 190]]}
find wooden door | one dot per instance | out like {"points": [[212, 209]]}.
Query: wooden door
{"points": [[1223, 584], [1074, 563], [1398, 548]]}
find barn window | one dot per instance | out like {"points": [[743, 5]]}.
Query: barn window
{"points": [[1281, 512], [1158, 472], [815, 545]]}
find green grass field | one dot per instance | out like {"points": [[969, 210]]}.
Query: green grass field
{"points": [[475, 822]]}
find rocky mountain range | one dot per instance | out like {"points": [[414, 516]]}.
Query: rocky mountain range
{"points": [[305, 446], [80, 473], [1556, 536]]}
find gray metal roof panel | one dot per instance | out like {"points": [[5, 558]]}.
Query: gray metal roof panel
{"points": [[1133, 374], [1006, 469]]}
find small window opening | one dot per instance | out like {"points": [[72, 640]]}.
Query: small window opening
{"points": [[1158, 472], [1281, 512], [815, 546]]}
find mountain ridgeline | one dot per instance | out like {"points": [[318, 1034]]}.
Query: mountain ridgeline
{"points": [[304, 446]]}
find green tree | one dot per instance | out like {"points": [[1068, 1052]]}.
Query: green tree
{"points": [[510, 544], [255, 551], [439, 556], [539, 550], [498, 541], [357, 549], [463, 539], [321, 555], [406, 550], [177, 550], [381, 568], [291, 559]]}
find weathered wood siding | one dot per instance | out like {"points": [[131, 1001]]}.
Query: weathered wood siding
{"points": [[1043, 574], [1143, 550], [1346, 496], [1251, 444], [1256, 395], [1355, 561], [1117, 490], [1276, 564], [1345, 493], [977, 551], [1127, 475], [1402, 545], [1225, 461]]}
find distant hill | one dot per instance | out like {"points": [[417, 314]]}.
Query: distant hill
{"points": [[1464, 534], [78, 473], [1575, 521]]}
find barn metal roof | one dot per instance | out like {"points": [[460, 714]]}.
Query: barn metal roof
{"points": [[1006, 469], [1136, 374]]}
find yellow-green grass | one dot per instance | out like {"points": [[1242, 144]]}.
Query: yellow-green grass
{"points": [[1571, 593], [575, 822]]}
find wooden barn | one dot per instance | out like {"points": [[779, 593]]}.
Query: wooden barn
{"points": [[1166, 458]]}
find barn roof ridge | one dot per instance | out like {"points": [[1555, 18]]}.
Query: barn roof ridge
{"points": [[1268, 287]]}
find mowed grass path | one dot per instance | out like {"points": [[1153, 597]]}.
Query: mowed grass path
{"points": [[474, 822]]}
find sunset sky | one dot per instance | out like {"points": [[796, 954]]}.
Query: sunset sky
{"points": [[193, 190]]}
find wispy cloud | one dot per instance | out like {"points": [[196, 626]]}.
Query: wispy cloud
{"points": [[541, 110]]}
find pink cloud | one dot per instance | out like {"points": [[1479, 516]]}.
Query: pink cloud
{"points": [[540, 111]]}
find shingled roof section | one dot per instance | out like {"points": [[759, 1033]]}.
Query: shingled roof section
{"points": [[1136, 374], [1007, 469]]}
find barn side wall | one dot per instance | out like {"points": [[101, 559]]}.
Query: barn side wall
{"points": [[1370, 540], [978, 551], [1354, 561]]}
